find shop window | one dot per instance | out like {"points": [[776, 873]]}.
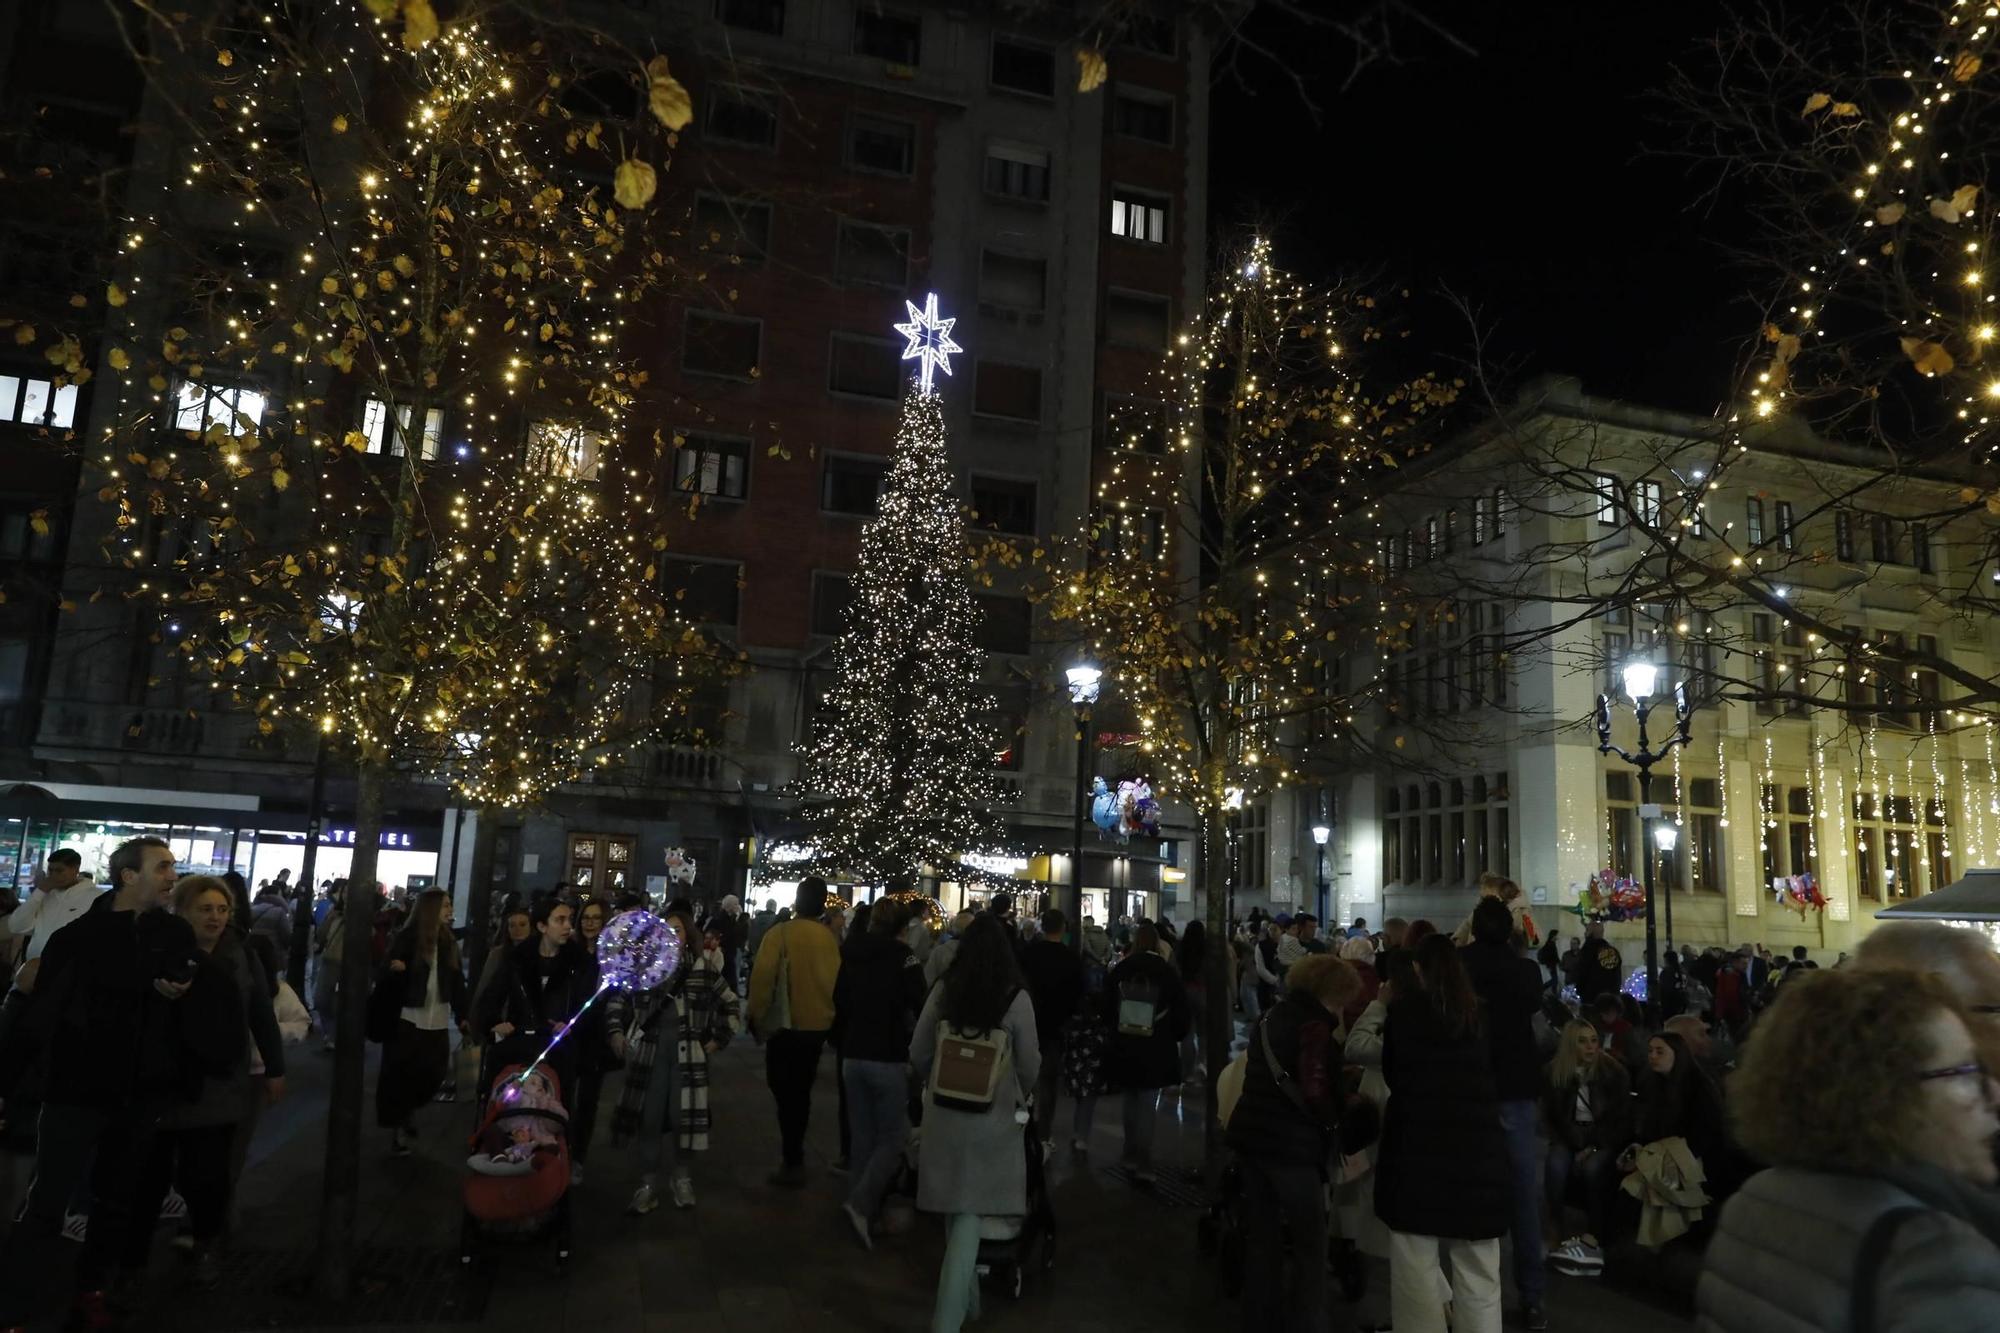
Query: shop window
{"points": [[885, 146], [878, 256], [739, 229], [865, 367], [888, 34], [1001, 390], [741, 116], [1018, 171], [853, 485], [1136, 319], [1003, 504], [1139, 217], [712, 465], [600, 863], [1023, 67], [729, 346], [703, 592]]}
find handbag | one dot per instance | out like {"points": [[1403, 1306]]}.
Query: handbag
{"points": [[293, 1020]]}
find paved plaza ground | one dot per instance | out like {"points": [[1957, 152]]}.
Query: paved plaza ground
{"points": [[749, 1259]]}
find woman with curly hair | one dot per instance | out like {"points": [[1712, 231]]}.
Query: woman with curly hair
{"points": [[1865, 1092]]}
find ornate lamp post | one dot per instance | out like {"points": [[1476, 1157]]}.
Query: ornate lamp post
{"points": [[1321, 833], [1084, 680], [1640, 680]]}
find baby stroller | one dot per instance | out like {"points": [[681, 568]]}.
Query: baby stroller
{"points": [[1010, 1246], [517, 1178]]}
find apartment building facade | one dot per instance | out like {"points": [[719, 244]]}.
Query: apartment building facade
{"points": [[845, 157]]}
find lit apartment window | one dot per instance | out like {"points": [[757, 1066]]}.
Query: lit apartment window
{"points": [[878, 256], [375, 423], [727, 345], [1018, 171], [737, 228], [199, 405], [565, 449], [888, 34], [1605, 487], [38, 402], [1646, 499], [1023, 68], [1138, 217], [740, 116], [886, 146], [754, 15], [713, 466], [1139, 116]]}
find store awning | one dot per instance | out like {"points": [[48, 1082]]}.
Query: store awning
{"points": [[74, 791], [1976, 897]]}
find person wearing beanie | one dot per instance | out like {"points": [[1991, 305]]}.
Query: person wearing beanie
{"points": [[793, 1023], [733, 930]]}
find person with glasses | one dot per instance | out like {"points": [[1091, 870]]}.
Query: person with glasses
{"points": [[1961, 958], [1866, 1093]]}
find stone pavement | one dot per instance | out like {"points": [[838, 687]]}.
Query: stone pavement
{"points": [[749, 1259]]}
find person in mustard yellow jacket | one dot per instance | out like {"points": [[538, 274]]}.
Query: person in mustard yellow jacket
{"points": [[792, 1024]]}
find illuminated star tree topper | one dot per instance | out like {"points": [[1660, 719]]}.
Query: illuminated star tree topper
{"points": [[930, 346]]}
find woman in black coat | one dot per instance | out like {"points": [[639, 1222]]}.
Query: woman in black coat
{"points": [[1145, 1009], [543, 983], [1442, 1178]]}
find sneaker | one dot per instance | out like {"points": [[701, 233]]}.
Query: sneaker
{"points": [[173, 1207], [859, 1223], [1532, 1317], [1577, 1259], [644, 1200], [575, 1172], [75, 1225], [1079, 1145], [398, 1145], [683, 1192]]}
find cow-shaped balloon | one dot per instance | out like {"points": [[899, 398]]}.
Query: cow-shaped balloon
{"points": [[680, 866]]}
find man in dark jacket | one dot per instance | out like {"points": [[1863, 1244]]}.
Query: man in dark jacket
{"points": [[124, 1040], [1283, 1132], [1146, 1010], [1510, 992], [1598, 966], [876, 999], [1055, 985]]}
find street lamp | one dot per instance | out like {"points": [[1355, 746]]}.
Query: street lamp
{"points": [[1640, 680], [1084, 681], [1320, 834]]}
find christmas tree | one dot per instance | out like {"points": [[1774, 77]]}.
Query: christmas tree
{"points": [[900, 774]]}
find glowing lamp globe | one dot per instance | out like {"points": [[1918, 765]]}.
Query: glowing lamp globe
{"points": [[637, 951]]}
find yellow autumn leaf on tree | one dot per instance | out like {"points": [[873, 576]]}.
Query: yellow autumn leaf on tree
{"points": [[1964, 197], [381, 9], [1890, 214], [329, 285], [404, 265], [25, 334], [225, 57], [634, 183], [1928, 357], [280, 479], [420, 24], [356, 441], [1845, 109], [1816, 102], [1091, 71], [120, 360], [667, 99], [340, 124], [114, 294], [1963, 68], [39, 522]]}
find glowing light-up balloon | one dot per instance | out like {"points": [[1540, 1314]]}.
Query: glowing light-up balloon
{"points": [[637, 951]]}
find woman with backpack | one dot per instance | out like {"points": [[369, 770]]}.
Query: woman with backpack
{"points": [[1145, 1010], [978, 1026]]}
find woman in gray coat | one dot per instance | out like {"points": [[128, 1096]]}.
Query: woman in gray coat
{"points": [[1866, 1093], [973, 1163]]}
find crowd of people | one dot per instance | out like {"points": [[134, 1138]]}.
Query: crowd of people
{"points": [[1825, 1138]]}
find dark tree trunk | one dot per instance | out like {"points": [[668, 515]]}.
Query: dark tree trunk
{"points": [[479, 903]]}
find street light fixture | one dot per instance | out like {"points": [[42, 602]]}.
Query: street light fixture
{"points": [[1084, 680], [1320, 834], [1640, 678]]}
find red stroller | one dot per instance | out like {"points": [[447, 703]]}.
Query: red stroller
{"points": [[517, 1178]]}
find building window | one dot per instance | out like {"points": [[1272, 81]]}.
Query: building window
{"points": [[1605, 487], [888, 34], [201, 406], [1696, 863], [1920, 547], [599, 863], [754, 15], [1753, 513], [832, 594], [41, 402], [1134, 423], [1843, 534], [1885, 546], [1138, 116], [736, 228], [565, 449], [1253, 848], [1001, 390], [1787, 529], [1023, 68], [1135, 319], [703, 592], [375, 425], [1927, 688], [712, 465], [1892, 852], [738, 115], [879, 256], [865, 367], [885, 146], [1783, 681], [1012, 283], [1018, 171], [1002, 504], [1139, 217], [731, 346], [853, 485], [1006, 624], [1131, 534], [1646, 500]]}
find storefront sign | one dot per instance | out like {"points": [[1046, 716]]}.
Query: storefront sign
{"points": [[994, 863], [344, 837], [786, 853]]}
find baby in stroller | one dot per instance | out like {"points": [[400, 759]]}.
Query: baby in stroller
{"points": [[525, 1117]]}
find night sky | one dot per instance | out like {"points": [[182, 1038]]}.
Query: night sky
{"points": [[1518, 177]]}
